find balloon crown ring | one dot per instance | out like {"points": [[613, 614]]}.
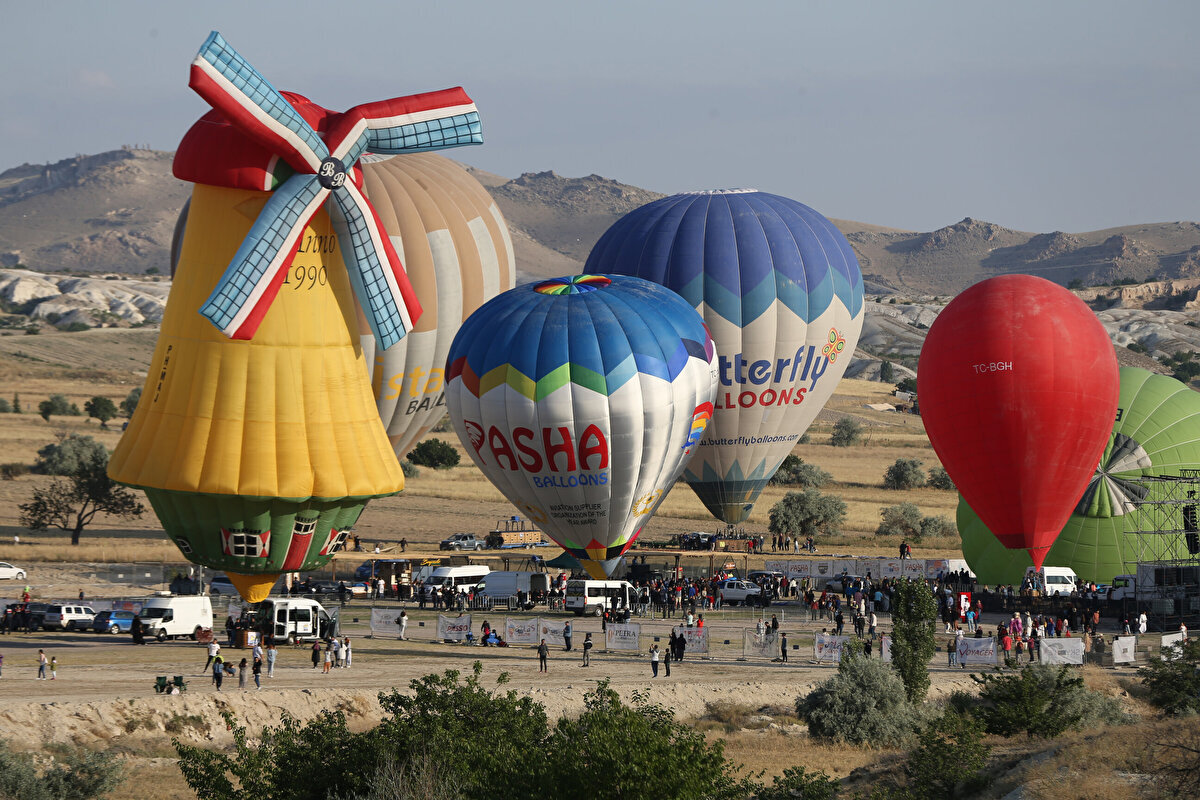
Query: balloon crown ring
{"points": [[575, 284]]}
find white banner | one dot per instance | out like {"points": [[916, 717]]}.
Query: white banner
{"points": [[913, 568], [976, 651], [1061, 651], [885, 648], [890, 568], [623, 636], [384, 621], [844, 566], [697, 640], [453, 628], [829, 648], [935, 565], [776, 566], [1124, 649], [234, 609], [551, 630], [521, 631], [799, 570], [755, 645], [822, 570], [1169, 640]]}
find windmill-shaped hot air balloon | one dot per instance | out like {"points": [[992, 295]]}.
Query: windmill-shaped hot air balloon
{"points": [[258, 455]]}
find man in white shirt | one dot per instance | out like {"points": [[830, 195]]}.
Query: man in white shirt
{"points": [[213, 649]]}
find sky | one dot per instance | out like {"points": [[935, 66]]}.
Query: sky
{"points": [[1074, 115]]}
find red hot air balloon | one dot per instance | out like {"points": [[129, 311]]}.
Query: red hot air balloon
{"points": [[1018, 387]]}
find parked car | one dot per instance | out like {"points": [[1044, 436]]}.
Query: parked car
{"points": [[68, 617], [113, 622], [9, 572], [220, 584], [462, 541], [737, 591]]}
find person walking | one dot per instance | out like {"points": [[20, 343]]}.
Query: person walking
{"points": [[567, 635], [271, 654], [346, 655], [218, 671], [654, 661], [402, 621], [242, 666], [53, 667], [587, 649], [543, 653], [213, 649], [257, 670], [42, 664]]}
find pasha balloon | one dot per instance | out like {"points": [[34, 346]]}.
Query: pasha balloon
{"points": [[258, 455], [456, 250], [780, 289], [581, 399], [1157, 432], [1018, 387]]}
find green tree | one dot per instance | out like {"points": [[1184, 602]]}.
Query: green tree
{"points": [[1028, 701], [409, 469], [936, 527], [1172, 679], [616, 751], [69, 454], [940, 479], [904, 473], [796, 782], [887, 372], [907, 384], [57, 406], [75, 774], [16, 403], [807, 513], [72, 502], [900, 520], [914, 615], [100, 408], [948, 759], [129, 404], [863, 704], [795, 471], [5, 406], [434, 453], [846, 431]]}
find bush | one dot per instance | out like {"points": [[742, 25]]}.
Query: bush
{"points": [[805, 438], [13, 470], [936, 527], [5, 406], [905, 473], [57, 406], [795, 471], [902, 520], [796, 782], [846, 431], [948, 759], [410, 469], [807, 513], [1043, 700], [908, 384], [1173, 684], [863, 704], [76, 774], [434, 453], [940, 479]]}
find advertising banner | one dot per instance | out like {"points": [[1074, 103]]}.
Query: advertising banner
{"points": [[1169, 640], [521, 631], [776, 566], [383, 622], [913, 568], [233, 609], [844, 566], [1061, 651], [697, 640], [890, 568], [128, 605], [829, 648], [1124, 649], [453, 628], [755, 645], [623, 636], [935, 565], [822, 570], [885, 648], [551, 630], [799, 570], [964, 605], [976, 651]]}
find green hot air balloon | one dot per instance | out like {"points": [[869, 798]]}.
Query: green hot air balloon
{"points": [[1157, 432]]}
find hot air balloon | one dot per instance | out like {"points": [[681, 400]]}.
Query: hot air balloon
{"points": [[1157, 432], [780, 289], [1018, 389], [581, 399], [457, 252], [258, 455]]}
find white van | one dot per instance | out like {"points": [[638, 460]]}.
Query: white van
{"points": [[499, 583], [171, 617], [460, 579], [593, 597], [1053, 580], [296, 619]]}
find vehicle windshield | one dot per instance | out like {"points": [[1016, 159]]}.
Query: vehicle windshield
{"points": [[154, 613]]}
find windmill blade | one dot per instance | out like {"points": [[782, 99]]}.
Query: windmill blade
{"points": [[248, 100], [419, 122], [251, 281], [385, 293]]}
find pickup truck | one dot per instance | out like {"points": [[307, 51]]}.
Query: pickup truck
{"points": [[734, 591], [462, 541]]}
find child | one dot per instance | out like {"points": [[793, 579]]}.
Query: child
{"points": [[53, 667]]}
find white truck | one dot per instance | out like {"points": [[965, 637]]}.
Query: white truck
{"points": [[171, 617], [296, 619]]}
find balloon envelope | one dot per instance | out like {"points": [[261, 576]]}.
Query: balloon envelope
{"points": [[1018, 390], [1157, 432], [455, 247], [781, 292], [581, 399]]}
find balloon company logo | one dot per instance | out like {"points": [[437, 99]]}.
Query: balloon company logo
{"points": [[646, 503], [837, 343], [700, 419], [763, 383], [551, 449], [419, 385]]}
